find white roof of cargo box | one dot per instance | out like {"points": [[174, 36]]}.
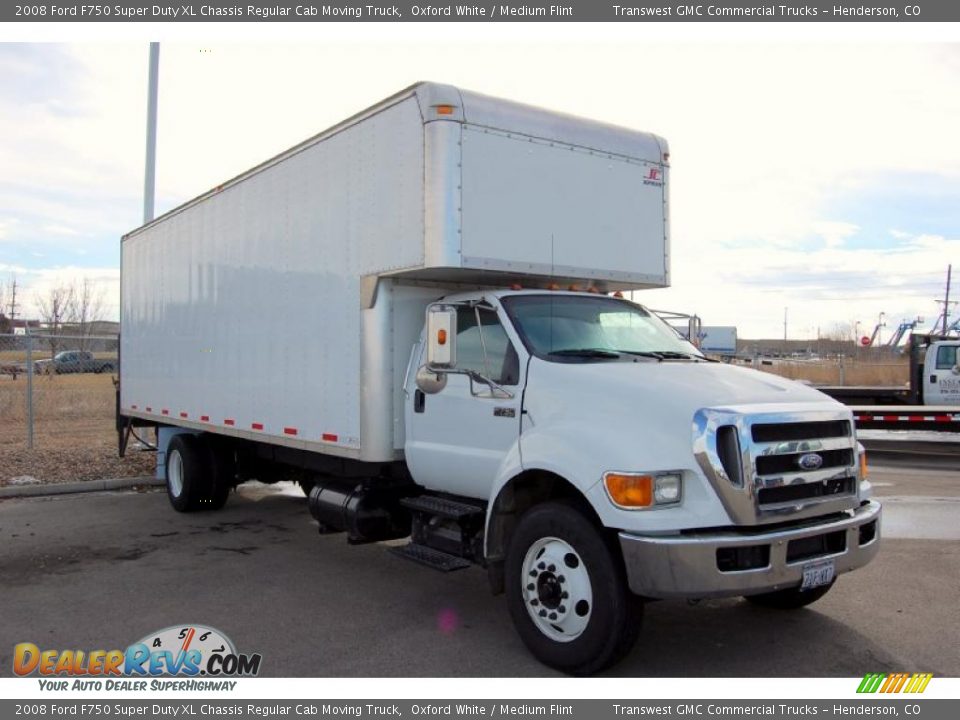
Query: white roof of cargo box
{"points": [[486, 112], [509, 116]]}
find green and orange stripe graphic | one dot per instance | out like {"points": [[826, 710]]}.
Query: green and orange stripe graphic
{"points": [[894, 682]]}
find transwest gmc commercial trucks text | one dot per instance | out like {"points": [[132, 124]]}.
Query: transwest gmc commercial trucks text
{"points": [[417, 315]]}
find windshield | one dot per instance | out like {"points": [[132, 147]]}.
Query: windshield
{"points": [[555, 327]]}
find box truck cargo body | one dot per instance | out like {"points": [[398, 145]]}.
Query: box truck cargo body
{"points": [[257, 308], [417, 316]]}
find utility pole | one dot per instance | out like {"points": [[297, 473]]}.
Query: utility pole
{"points": [[946, 302], [784, 330], [13, 301], [946, 299]]}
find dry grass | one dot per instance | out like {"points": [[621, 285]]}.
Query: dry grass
{"points": [[74, 436], [20, 356], [835, 372]]}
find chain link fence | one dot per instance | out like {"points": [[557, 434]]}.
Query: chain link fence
{"points": [[838, 371], [57, 404], [56, 385]]}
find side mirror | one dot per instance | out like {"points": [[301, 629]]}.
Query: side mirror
{"points": [[430, 381], [441, 335]]}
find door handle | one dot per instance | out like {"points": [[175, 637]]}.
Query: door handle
{"points": [[419, 401]]}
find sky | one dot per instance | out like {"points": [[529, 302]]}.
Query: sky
{"points": [[820, 179]]}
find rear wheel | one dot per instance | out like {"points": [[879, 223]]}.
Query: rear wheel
{"points": [[199, 473], [567, 593], [222, 475], [791, 598], [188, 472]]}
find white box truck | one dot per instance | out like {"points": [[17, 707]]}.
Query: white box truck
{"points": [[415, 315], [718, 340]]}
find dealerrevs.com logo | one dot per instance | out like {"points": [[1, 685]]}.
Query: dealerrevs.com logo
{"points": [[177, 651]]}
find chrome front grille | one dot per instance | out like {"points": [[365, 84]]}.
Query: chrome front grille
{"points": [[770, 467]]}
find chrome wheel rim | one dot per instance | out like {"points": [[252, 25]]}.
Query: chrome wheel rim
{"points": [[557, 591], [175, 473]]}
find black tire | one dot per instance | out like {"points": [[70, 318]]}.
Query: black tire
{"points": [[614, 619], [222, 473], [791, 598], [189, 477]]}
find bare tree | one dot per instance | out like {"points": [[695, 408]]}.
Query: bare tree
{"points": [[54, 306], [85, 308]]}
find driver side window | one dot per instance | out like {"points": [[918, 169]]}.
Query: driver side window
{"points": [[946, 357], [500, 362]]}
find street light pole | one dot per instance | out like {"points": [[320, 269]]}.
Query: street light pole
{"points": [[149, 175]]}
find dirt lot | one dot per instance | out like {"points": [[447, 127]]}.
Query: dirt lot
{"points": [[74, 437]]}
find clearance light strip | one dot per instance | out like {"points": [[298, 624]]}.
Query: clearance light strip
{"points": [[231, 422]]}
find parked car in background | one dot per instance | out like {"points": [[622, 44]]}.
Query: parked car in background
{"points": [[74, 361]]}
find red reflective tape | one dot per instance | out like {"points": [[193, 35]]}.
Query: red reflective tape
{"points": [[165, 411], [289, 431], [257, 426], [149, 409], [228, 421], [328, 437], [183, 415], [204, 418]]}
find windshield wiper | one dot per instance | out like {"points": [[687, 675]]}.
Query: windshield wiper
{"points": [[663, 354], [586, 353]]}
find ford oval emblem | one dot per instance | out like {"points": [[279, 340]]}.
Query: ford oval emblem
{"points": [[810, 461]]}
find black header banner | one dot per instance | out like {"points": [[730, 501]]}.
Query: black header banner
{"points": [[291, 709], [485, 11]]}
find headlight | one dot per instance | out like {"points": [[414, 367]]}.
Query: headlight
{"points": [[637, 491]]}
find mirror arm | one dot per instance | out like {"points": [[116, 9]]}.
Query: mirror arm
{"points": [[477, 377]]}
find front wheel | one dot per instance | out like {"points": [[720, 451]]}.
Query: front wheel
{"points": [[567, 593]]}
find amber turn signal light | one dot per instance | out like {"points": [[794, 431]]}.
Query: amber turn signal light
{"points": [[629, 490]]}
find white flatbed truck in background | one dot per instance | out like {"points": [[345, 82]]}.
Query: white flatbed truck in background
{"points": [[411, 315]]}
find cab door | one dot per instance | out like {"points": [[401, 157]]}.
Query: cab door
{"points": [[942, 375], [457, 438]]}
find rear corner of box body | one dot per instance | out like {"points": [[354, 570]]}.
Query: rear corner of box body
{"points": [[242, 310]]}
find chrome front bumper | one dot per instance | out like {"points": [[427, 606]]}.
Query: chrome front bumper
{"points": [[686, 566]]}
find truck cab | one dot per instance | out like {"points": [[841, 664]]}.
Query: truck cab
{"points": [[935, 362], [698, 479]]}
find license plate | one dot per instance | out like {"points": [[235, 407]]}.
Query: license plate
{"points": [[818, 573]]}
